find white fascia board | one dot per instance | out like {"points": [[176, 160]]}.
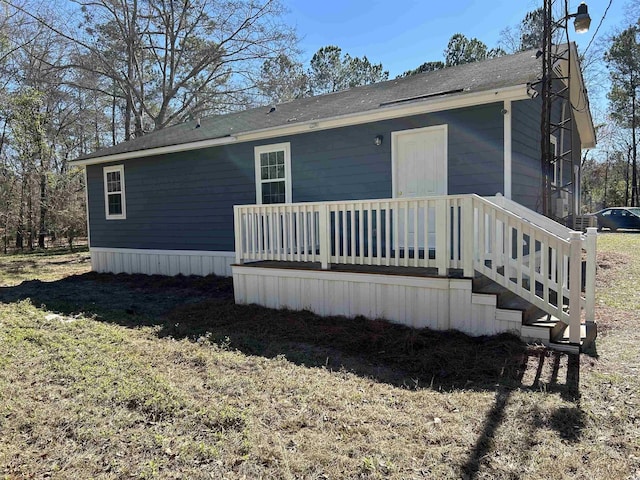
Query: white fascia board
{"points": [[155, 151], [579, 100], [517, 92]]}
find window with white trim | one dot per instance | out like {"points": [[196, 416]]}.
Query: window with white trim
{"points": [[114, 198], [273, 173]]}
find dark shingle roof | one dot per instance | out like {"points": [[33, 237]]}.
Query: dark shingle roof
{"points": [[501, 72]]}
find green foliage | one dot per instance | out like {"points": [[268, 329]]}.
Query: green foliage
{"points": [[283, 79], [68, 209], [461, 50], [531, 30], [28, 125], [330, 71], [425, 67], [605, 183], [527, 34], [623, 62]]}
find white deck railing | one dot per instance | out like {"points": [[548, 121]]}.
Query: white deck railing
{"points": [[521, 250]]}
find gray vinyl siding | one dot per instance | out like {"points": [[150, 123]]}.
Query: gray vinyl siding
{"points": [[526, 176], [184, 201], [344, 164], [181, 201], [526, 151]]}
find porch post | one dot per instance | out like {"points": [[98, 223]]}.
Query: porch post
{"points": [[575, 285], [590, 284], [324, 225], [237, 228], [468, 236], [442, 236]]}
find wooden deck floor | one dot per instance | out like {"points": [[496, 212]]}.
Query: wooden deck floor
{"points": [[372, 269]]}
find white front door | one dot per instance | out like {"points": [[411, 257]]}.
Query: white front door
{"points": [[419, 170], [420, 162]]}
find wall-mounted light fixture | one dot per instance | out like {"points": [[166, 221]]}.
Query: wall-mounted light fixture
{"points": [[378, 140]]}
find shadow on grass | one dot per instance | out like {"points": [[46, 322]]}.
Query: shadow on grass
{"points": [[568, 422], [202, 309]]}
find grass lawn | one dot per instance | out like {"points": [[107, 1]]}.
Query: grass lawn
{"points": [[117, 376]]}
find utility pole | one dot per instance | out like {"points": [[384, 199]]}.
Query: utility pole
{"points": [[557, 110]]}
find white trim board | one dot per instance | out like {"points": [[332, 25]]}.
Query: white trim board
{"points": [[161, 262], [86, 205], [155, 151], [274, 147], [123, 198], [507, 148], [517, 92], [579, 99]]}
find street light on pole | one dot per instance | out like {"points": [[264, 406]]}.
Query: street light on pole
{"points": [[551, 54]]}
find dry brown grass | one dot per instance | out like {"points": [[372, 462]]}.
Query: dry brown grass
{"points": [[44, 265], [151, 377]]}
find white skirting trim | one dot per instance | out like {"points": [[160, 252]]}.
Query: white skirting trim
{"points": [[436, 303], [161, 262]]}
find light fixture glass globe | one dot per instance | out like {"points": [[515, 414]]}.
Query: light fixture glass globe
{"points": [[582, 20]]}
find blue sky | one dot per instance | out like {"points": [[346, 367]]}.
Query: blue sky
{"points": [[402, 34]]}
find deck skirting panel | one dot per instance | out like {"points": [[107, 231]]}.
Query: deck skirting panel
{"points": [[419, 302], [161, 262]]}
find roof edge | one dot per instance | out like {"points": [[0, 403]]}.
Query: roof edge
{"points": [[180, 147], [516, 92], [583, 115], [579, 99]]}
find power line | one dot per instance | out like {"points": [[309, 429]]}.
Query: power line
{"points": [[599, 25]]}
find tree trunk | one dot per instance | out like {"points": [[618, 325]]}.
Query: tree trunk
{"points": [[43, 207], [605, 204], [20, 226], [634, 145], [114, 137], [626, 178], [30, 220]]}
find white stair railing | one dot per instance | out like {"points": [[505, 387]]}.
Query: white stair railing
{"points": [[521, 250]]}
